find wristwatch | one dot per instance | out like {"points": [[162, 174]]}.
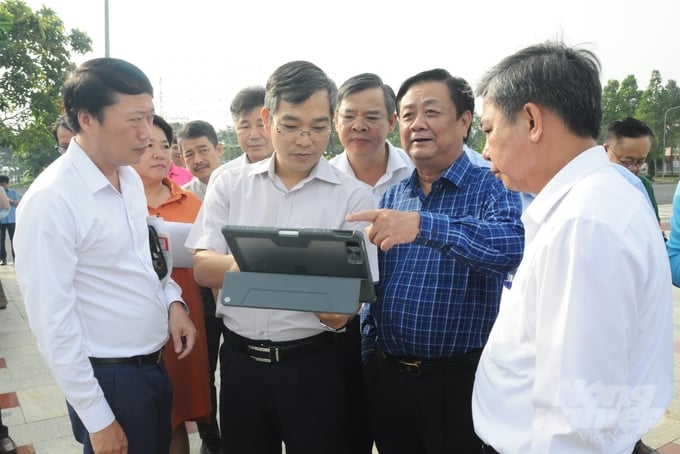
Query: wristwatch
{"points": [[336, 330]]}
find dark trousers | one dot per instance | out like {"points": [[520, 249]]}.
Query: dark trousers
{"points": [[430, 413], [141, 400], [300, 401], [9, 229], [210, 432], [4, 431], [349, 349]]}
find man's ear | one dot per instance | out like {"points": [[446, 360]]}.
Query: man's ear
{"points": [[466, 121], [264, 114], [85, 119], [534, 119], [392, 122]]}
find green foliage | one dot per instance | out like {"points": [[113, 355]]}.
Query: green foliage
{"points": [[651, 111], [35, 59], [476, 139], [655, 106], [227, 138], [619, 100]]}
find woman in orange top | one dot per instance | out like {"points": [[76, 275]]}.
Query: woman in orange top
{"points": [[190, 376]]}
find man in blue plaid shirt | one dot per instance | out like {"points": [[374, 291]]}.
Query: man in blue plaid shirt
{"points": [[449, 236]]}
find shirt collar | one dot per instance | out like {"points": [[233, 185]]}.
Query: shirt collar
{"points": [[321, 171], [455, 174], [559, 185], [87, 170]]}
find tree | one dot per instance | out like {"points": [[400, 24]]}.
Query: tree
{"points": [[651, 111], [476, 139], [227, 138], [671, 100], [619, 100], [35, 59]]}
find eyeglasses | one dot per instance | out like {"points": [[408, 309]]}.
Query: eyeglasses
{"points": [[350, 119], [293, 132], [627, 162]]}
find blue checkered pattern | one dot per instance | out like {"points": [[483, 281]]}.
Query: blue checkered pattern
{"points": [[439, 296]]}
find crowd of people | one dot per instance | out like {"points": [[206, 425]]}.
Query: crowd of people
{"points": [[524, 292]]}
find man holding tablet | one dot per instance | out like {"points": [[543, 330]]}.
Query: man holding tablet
{"points": [[300, 397]]}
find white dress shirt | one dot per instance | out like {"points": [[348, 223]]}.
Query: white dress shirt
{"points": [[85, 272], [580, 359], [240, 161], [399, 166], [197, 187], [255, 195]]}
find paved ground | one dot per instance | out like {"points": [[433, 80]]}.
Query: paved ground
{"points": [[33, 406]]}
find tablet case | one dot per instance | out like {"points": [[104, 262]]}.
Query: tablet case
{"points": [[317, 270]]}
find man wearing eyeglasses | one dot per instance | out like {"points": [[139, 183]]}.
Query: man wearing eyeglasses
{"points": [[628, 143], [298, 397], [365, 116], [62, 133]]}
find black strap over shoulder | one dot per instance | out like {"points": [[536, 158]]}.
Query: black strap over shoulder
{"points": [[157, 258]]}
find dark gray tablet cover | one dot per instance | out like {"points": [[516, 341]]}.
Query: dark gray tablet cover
{"points": [[302, 251]]}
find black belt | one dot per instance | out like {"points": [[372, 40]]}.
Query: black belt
{"points": [[422, 366], [273, 352], [151, 358], [488, 449]]}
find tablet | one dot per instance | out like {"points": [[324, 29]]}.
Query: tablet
{"points": [[302, 251]]}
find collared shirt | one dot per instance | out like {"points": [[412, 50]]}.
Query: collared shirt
{"points": [[10, 218], [438, 296], [255, 195], [179, 175], [197, 187], [399, 167], [84, 268], [580, 358], [239, 161]]}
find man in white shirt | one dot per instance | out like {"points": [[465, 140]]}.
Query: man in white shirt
{"points": [[281, 377], [251, 135], [580, 358], [256, 144], [102, 320], [201, 151], [365, 116]]}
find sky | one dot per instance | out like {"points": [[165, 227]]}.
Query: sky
{"points": [[199, 53]]}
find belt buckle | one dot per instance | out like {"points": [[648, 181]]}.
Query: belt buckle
{"points": [[268, 350], [410, 367]]}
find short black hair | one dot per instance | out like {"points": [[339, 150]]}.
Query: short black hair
{"points": [[161, 123], [295, 82], [96, 84], [246, 100], [628, 127], [195, 129], [364, 81], [4, 179]]}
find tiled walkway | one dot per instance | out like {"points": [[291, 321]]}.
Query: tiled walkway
{"points": [[34, 409]]}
